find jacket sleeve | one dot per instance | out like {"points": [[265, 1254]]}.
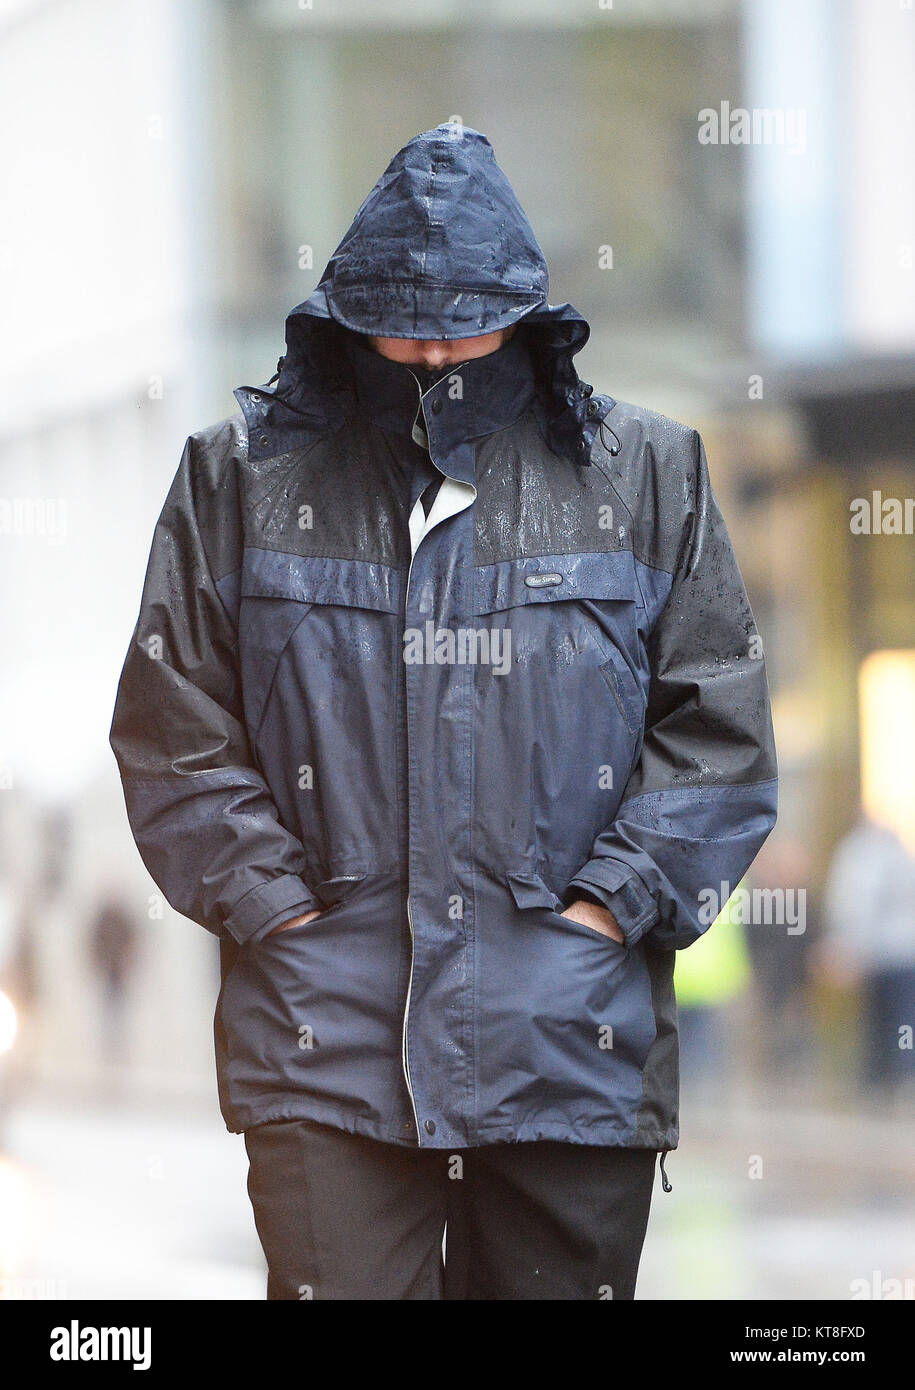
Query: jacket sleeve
{"points": [[702, 798], [201, 813]]}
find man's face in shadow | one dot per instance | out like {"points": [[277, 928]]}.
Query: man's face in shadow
{"points": [[434, 353]]}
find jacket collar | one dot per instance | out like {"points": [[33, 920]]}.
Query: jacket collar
{"points": [[309, 396], [451, 405]]}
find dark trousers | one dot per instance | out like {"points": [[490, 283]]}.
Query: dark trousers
{"points": [[344, 1217]]}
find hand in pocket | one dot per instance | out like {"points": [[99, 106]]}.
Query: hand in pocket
{"points": [[295, 922], [598, 918]]}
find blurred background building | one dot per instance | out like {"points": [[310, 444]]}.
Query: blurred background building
{"points": [[176, 176]]}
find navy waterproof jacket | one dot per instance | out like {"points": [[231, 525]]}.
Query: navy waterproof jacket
{"points": [[440, 731]]}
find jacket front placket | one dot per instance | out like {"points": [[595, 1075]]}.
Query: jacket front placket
{"points": [[437, 1027]]}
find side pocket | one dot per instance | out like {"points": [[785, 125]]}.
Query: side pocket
{"points": [[626, 707], [529, 891]]}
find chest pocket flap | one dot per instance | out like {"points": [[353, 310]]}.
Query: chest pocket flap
{"points": [[601, 577]]}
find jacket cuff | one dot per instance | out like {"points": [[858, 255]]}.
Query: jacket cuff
{"points": [[267, 905], [622, 892]]}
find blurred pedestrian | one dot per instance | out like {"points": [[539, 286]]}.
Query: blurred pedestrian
{"points": [[710, 978], [779, 951], [869, 940], [113, 938]]}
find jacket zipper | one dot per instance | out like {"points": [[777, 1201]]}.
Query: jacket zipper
{"points": [[404, 1045]]}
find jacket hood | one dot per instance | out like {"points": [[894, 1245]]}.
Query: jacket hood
{"points": [[440, 249]]}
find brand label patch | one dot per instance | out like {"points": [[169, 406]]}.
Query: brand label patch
{"points": [[541, 581]]}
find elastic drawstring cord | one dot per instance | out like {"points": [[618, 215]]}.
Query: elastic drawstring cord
{"points": [[665, 1184], [609, 447]]}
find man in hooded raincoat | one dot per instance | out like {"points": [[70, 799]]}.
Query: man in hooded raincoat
{"points": [[444, 706]]}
